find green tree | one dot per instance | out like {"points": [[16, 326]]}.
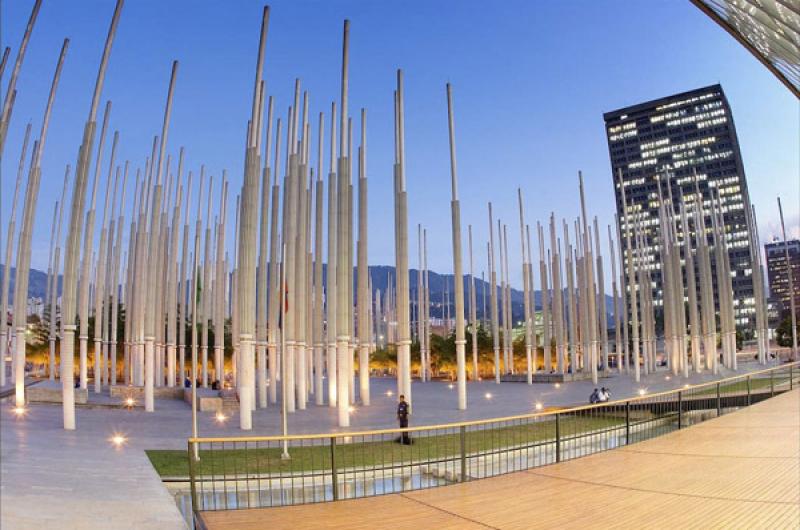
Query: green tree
{"points": [[784, 332]]}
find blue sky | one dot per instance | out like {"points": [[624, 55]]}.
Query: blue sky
{"points": [[531, 81]]}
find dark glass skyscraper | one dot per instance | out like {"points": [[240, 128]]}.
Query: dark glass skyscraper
{"points": [[678, 140], [778, 273]]}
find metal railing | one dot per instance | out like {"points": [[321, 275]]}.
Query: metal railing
{"points": [[248, 472]]}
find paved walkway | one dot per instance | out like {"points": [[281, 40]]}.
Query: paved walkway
{"points": [[741, 470], [52, 478]]}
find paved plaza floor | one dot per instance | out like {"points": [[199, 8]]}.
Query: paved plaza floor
{"points": [[54, 478]]}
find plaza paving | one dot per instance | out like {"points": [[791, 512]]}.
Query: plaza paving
{"points": [[741, 470], [51, 477]]}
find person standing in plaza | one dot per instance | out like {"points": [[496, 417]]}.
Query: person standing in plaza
{"points": [[402, 417]]}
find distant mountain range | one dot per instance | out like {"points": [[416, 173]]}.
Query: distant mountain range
{"points": [[37, 283], [381, 275]]}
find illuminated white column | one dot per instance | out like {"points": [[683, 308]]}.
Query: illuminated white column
{"points": [[458, 276], [363, 270], [632, 286], [246, 265], [525, 290], [26, 235], [4, 330], [493, 299]]}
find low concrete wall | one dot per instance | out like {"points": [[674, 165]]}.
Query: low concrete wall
{"points": [[207, 400], [137, 392], [50, 392], [549, 378]]}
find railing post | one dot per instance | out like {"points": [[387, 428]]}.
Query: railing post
{"points": [[334, 479], [558, 438], [748, 391], [627, 422], [463, 441], [771, 383], [190, 455], [680, 408], [790, 377], [719, 403]]}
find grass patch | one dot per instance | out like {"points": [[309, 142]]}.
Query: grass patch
{"points": [[232, 458], [756, 384]]}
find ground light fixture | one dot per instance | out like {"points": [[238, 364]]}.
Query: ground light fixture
{"points": [[118, 440], [130, 402], [642, 391], [220, 417], [488, 395], [19, 411], [389, 393], [539, 405], [450, 386], [351, 409], [557, 385]]}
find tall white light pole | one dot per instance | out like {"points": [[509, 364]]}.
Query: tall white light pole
{"points": [[474, 311], [26, 234], [525, 290], [363, 270], [493, 299], [458, 275], [343, 303], [401, 235], [247, 243], [7, 267]]}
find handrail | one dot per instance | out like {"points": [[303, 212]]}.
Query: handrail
{"points": [[458, 425]]}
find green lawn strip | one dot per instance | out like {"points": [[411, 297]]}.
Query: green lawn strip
{"points": [[760, 383], [231, 459]]}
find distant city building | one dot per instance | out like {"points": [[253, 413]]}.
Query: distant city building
{"points": [[769, 29], [672, 139], [777, 273]]}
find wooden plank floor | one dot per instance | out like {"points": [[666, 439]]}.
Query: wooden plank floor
{"points": [[738, 471]]}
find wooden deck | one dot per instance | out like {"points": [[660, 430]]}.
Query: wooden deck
{"points": [[738, 471]]}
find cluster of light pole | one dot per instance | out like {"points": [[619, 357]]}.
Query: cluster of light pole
{"points": [[291, 329]]}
